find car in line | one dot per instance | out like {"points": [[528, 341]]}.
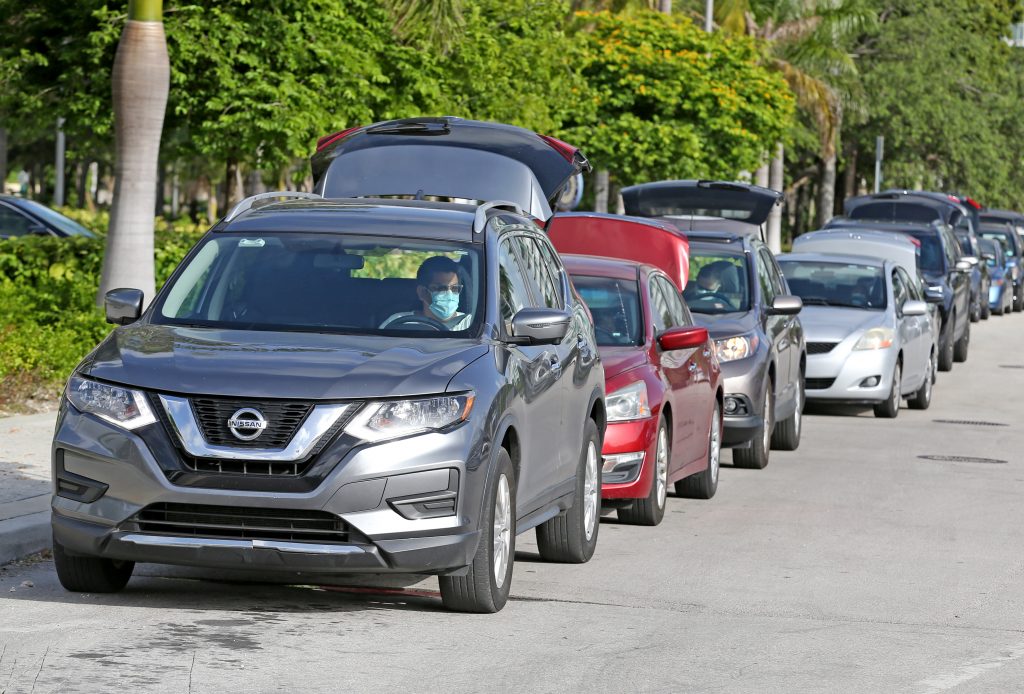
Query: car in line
{"points": [[980, 279], [735, 290], [1007, 234], [664, 391], [869, 334], [20, 217], [339, 385], [1000, 293], [947, 276]]}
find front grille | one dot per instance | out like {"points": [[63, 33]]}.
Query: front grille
{"points": [[820, 347], [283, 420], [236, 523], [818, 383]]}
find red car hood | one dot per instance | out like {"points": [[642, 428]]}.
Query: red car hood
{"points": [[619, 359]]}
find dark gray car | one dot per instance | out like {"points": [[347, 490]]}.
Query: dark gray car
{"points": [[334, 386]]}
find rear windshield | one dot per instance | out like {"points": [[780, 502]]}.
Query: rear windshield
{"points": [[893, 211], [328, 283], [931, 257], [718, 282], [836, 284], [615, 306], [56, 219]]}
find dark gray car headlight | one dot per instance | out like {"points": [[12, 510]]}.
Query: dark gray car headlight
{"points": [[737, 347], [380, 421], [124, 407]]}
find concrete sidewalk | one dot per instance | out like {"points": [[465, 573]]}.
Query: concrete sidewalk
{"points": [[25, 484]]}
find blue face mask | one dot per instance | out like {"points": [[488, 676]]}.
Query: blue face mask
{"points": [[444, 304]]}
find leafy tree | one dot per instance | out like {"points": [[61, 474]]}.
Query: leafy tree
{"points": [[663, 99]]}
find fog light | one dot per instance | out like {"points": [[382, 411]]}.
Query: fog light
{"points": [[731, 405], [622, 467], [613, 461], [870, 381]]}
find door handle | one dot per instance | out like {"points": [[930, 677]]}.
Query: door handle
{"points": [[692, 366], [554, 364], [706, 353]]}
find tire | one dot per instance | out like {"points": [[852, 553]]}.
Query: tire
{"points": [[922, 399], [651, 510], [486, 587], [786, 436], [755, 457], [986, 309], [890, 407], [946, 344], [704, 484], [81, 574], [975, 313], [962, 345], [1017, 302], [565, 537]]}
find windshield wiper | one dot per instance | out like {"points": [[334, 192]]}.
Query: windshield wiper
{"points": [[816, 302]]}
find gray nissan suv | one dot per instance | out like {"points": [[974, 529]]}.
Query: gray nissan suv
{"points": [[335, 385]]}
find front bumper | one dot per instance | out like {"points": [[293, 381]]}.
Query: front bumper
{"points": [[366, 488], [631, 437], [744, 381], [838, 375]]}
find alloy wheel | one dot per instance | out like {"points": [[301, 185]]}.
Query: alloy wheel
{"points": [[502, 530], [590, 491], [661, 469], [716, 446], [768, 424]]}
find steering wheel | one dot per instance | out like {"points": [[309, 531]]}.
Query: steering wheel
{"points": [[607, 335], [713, 296], [416, 319]]}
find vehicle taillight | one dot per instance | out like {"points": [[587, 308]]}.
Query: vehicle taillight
{"points": [[334, 137], [973, 203], [563, 148]]}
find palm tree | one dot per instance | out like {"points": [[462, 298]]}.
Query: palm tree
{"points": [[806, 42], [141, 80]]}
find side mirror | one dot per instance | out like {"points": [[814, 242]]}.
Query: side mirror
{"points": [[123, 305], [682, 338], [933, 295], [915, 308], [963, 265], [786, 305], [540, 326], [969, 259]]}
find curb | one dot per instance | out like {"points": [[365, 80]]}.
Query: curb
{"points": [[28, 532]]}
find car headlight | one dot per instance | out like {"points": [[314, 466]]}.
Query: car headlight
{"points": [[738, 347], [876, 338], [629, 402], [380, 421], [124, 407]]}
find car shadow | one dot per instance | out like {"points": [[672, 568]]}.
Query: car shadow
{"points": [[838, 410]]}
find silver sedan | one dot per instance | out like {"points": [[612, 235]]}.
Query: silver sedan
{"points": [[868, 330]]}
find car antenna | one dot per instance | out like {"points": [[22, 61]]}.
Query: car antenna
{"points": [[419, 195]]}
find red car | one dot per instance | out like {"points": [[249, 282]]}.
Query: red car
{"points": [[663, 384]]}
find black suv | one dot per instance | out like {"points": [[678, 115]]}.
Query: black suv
{"points": [[946, 275], [336, 385]]}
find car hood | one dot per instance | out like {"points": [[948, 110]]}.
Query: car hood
{"points": [[619, 359], [727, 324], [254, 364], [832, 324]]}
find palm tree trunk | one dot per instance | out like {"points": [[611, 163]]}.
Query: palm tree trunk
{"points": [[665, 6], [761, 176], [827, 192], [140, 81], [776, 181], [3, 158], [601, 190]]}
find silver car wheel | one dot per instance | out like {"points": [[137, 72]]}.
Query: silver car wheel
{"points": [[502, 530], [661, 469], [799, 414], [928, 378], [715, 446], [590, 491], [768, 425]]}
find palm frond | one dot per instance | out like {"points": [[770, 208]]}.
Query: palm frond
{"points": [[440, 21]]}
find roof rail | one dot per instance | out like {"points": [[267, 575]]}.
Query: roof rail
{"points": [[251, 201], [480, 219]]}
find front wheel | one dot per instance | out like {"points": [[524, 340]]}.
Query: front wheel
{"points": [[786, 436], [651, 510], [81, 574], [756, 456], [571, 538], [946, 344], [960, 349], [704, 484], [986, 308], [922, 399], [890, 407], [485, 588]]}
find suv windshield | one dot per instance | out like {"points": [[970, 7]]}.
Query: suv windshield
{"points": [[835, 284], [615, 306], [718, 282], [328, 283]]}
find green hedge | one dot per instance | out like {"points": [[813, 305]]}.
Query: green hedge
{"points": [[48, 316]]}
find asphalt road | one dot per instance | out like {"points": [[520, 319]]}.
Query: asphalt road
{"points": [[851, 565]]}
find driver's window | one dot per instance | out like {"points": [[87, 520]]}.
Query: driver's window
{"points": [[899, 292], [513, 292], [675, 304], [764, 278], [661, 314], [913, 290]]}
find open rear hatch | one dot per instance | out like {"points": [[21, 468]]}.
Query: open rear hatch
{"points": [[448, 158], [740, 202]]}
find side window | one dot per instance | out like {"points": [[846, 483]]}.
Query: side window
{"points": [[899, 291], [951, 248], [661, 313], [542, 270], [764, 277], [514, 293], [674, 302], [13, 223], [778, 284], [913, 288]]}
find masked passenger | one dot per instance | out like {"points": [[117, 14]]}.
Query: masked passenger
{"points": [[438, 288]]}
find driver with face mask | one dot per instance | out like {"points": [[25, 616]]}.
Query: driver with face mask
{"points": [[438, 288]]}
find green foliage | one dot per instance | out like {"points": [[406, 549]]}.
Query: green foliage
{"points": [[663, 99]]}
